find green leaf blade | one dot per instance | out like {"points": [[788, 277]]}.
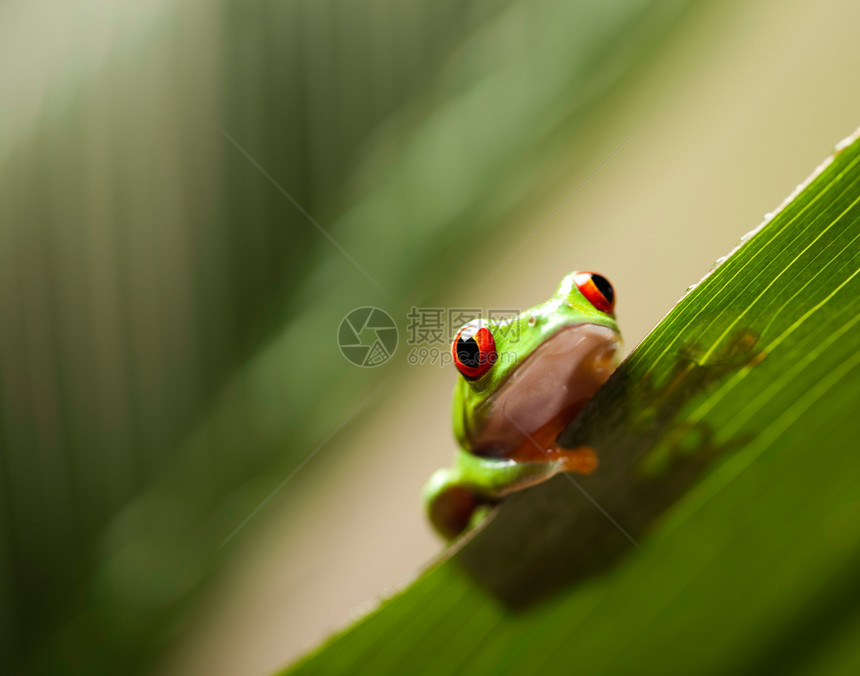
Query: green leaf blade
{"points": [[728, 450]]}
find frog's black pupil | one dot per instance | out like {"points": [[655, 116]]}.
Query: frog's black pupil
{"points": [[469, 353], [604, 287]]}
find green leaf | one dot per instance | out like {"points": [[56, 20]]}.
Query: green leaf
{"points": [[722, 531]]}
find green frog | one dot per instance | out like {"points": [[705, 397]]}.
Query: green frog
{"points": [[522, 381]]}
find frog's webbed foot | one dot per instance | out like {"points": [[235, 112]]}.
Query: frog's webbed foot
{"points": [[452, 506]]}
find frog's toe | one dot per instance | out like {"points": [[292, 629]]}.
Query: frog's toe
{"points": [[452, 509], [450, 505], [481, 512], [580, 460]]}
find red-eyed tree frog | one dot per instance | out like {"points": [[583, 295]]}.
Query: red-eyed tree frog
{"points": [[522, 381]]}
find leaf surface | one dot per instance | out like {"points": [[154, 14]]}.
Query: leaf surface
{"points": [[721, 533]]}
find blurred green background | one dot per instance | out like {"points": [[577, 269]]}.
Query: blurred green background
{"points": [[168, 316]]}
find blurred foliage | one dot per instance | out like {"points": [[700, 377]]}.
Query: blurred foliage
{"points": [[166, 310], [749, 382]]}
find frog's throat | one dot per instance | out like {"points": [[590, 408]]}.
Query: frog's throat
{"points": [[543, 394]]}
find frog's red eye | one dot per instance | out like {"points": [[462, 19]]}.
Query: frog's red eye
{"points": [[597, 290], [474, 351]]}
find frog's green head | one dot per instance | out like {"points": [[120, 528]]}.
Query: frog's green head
{"points": [[527, 377]]}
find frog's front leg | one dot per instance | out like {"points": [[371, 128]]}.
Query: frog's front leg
{"points": [[459, 497]]}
